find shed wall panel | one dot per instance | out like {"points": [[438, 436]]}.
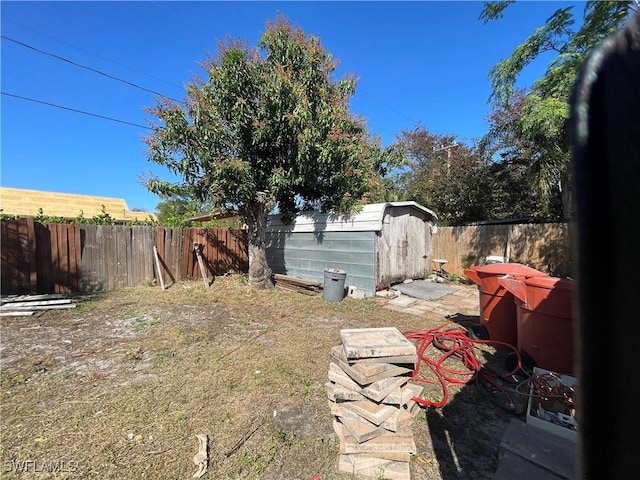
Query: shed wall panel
{"points": [[306, 255]]}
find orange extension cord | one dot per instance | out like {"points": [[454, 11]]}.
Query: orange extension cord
{"points": [[454, 342]]}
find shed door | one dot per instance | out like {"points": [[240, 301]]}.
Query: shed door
{"points": [[404, 246]]}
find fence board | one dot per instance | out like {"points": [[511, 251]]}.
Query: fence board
{"points": [[170, 251], [90, 264], [188, 257], [100, 257], [148, 236], [63, 257], [33, 264], [6, 249], [542, 246], [109, 248], [44, 280], [11, 257], [60, 258], [74, 255], [134, 264], [55, 259], [123, 253]]}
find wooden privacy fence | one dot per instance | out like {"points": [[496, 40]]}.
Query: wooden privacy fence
{"points": [[60, 258], [543, 246]]}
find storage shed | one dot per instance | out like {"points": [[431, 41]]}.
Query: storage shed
{"points": [[383, 244]]}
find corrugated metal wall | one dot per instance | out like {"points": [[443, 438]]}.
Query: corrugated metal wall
{"points": [[394, 245], [306, 255]]}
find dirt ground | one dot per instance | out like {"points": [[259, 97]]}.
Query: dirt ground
{"points": [[120, 386]]}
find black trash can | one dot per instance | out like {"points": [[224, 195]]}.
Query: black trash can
{"points": [[333, 290]]}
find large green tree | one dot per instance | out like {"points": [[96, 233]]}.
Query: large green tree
{"points": [[176, 209], [544, 110], [460, 184], [444, 175], [511, 157], [268, 128]]}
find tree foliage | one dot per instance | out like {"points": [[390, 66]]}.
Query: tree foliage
{"points": [[268, 127], [600, 19], [442, 174], [512, 147], [539, 133], [461, 185], [174, 210]]}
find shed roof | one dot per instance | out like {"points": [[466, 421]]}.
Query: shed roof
{"points": [[25, 203], [370, 218]]}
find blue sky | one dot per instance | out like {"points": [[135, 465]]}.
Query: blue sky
{"points": [[416, 62]]}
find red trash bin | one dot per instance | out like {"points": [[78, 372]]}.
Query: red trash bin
{"points": [[545, 321], [497, 307]]}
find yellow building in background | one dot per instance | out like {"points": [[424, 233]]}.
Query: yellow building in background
{"points": [[27, 203]]}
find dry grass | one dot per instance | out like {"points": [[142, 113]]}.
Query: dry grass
{"points": [[119, 387]]}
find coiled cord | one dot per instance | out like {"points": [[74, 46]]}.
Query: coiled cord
{"points": [[455, 342]]}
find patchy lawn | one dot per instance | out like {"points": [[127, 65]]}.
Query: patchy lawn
{"points": [[119, 387]]}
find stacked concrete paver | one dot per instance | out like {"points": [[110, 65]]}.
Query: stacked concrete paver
{"points": [[371, 398]]}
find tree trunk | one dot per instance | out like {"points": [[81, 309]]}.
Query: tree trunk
{"points": [[260, 275]]}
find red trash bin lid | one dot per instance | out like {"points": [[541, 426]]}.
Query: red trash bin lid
{"points": [[487, 276], [508, 268], [550, 283]]}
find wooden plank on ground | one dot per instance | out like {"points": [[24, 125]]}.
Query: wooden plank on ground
{"points": [[12, 308], [158, 267], [295, 289], [203, 271], [58, 301], [297, 281], [17, 313], [27, 298]]}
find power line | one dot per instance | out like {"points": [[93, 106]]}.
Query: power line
{"points": [[75, 110], [152, 76], [92, 53], [85, 67]]}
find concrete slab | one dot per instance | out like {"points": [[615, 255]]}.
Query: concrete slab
{"points": [[399, 457], [401, 419], [398, 442], [376, 342], [374, 412], [512, 466], [402, 301], [365, 373], [361, 430], [536, 450], [374, 468], [423, 289]]}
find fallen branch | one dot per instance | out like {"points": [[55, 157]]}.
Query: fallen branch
{"points": [[243, 440]]}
